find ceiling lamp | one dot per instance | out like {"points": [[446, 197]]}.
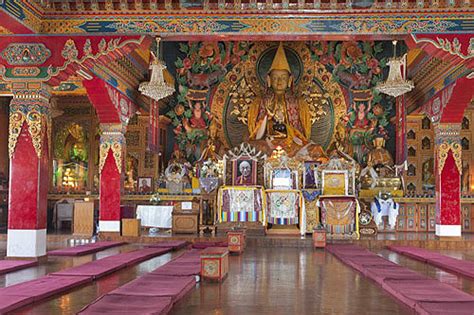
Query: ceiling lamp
{"points": [[396, 85], [157, 88]]}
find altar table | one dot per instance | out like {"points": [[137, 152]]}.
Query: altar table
{"points": [[155, 216]]}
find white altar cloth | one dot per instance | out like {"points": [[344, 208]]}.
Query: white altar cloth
{"points": [[155, 216]]}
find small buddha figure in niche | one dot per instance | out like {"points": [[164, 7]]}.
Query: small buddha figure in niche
{"points": [[279, 117], [427, 174], [379, 155]]}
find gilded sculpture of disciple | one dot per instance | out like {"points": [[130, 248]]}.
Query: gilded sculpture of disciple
{"points": [[279, 117]]}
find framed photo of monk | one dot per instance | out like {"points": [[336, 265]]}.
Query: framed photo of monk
{"points": [[144, 184], [244, 172]]}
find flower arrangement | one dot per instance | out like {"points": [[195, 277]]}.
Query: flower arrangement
{"points": [[211, 169], [155, 198]]}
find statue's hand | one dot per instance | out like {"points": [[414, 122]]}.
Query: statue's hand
{"points": [[298, 141]]}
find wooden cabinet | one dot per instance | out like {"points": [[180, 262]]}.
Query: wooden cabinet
{"points": [[131, 227], [83, 218], [185, 222]]}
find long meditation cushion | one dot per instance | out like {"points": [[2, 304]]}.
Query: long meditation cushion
{"points": [[415, 252], [178, 269], [129, 304], [7, 266], [429, 290], [380, 273], [360, 262], [95, 269], [84, 249], [133, 257], [18, 295], [445, 308], [158, 285], [175, 245]]}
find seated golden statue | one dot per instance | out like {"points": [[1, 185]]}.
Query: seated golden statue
{"points": [[279, 118], [379, 155]]}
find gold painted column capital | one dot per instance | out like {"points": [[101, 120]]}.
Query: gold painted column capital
{"points": [[30, 106], [112, 137]]}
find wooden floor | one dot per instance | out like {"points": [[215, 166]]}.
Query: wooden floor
{"points": [[273, 276]]}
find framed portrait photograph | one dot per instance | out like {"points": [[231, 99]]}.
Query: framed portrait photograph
{"points": [[283, 179], [244, 172], [310, 179], [145, 184]]}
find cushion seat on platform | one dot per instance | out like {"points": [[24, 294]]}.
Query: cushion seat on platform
{"points": [[133, 257], [445, 308], [10, 303], [7, 266], [429, 290], [171, 244], [360, 262], [129, 304], [158, 285], [380, 273], [84, 249], [178, 269], [36, 290], [203, 245], [94, 269]]}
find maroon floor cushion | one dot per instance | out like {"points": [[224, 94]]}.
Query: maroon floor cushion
{"points": [[445, 308], [171, 244], [158, 285], [131, 258], [463, 267], [203, 245], [84, 249], [41, 288], [380, 273], [95, 269], [7, 266], [129, 304], [10, 303], [414, 252], [178, 269], [360, 262], [429, 290]]}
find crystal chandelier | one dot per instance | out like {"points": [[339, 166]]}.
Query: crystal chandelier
{"points": [[157, 88], [396, 85]]}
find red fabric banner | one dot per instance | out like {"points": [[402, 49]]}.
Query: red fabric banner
{"points": [[154, 128]]}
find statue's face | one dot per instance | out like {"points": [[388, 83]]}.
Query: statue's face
{"points": [[279, 80]]}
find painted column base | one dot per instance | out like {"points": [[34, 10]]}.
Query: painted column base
{"points": [[109, 226], [448, 230], [26, 243]]}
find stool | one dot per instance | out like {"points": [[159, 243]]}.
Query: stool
{"points": [[236, 241], [319, 238], [214, 263]]}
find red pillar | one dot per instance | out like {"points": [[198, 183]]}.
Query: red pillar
{"points": [[29, 174], [112, 146], [448, 168]]}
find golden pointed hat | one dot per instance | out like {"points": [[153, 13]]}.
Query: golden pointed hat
{"points": [[279, 61]]}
